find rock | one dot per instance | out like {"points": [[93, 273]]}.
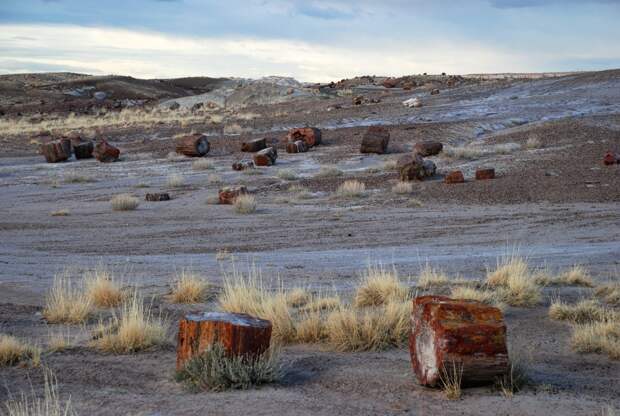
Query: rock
{"points": [[429, 168], [310, 135], [390, 83], [410, 167], [243, 165], [197, 107], [228, 194], [358, 100], [55, 151], [409, 85], [174, 106], [454, 177], [375, 140], [483, 174], [413, 103], [611, 158], [467, 334], [296, 147], [100, 95], [156, 197], [428, 148], [434, 91], [105, 152], [84, 150], [195, 145], [266, 157], [254, 145], [239, 335]]}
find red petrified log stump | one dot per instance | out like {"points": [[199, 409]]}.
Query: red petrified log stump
{"points": [[239, 334], [55, 151], [227, 195], [266, 157], [428, 148], [243, 164], [375, 140], [157, 197], [410, 167], [611, 158], [296, 147], [467, 334], [482, 174], [195, 145], [454, 177], [254, 145], [310, 135], [105, 152], [83, 150]]}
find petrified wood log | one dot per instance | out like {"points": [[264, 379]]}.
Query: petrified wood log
{"points": [[428, 148], [296, 147], [243, 164], [482, 174], [105, 152], [310, 135], [239, 334], [55, 151], [266, 157], [434, 91], [454, 177], [195, 145], [228, 194], [410, 167], [611, 158], [429, 168], [467, 334], [375, 140], [83, 150], [254, 145], [156, 197]]}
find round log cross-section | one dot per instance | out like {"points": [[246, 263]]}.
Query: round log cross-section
{"points": [[447, 332], [83, 150], [56, 151], [195, 145], [239, 335], [266, 157]]}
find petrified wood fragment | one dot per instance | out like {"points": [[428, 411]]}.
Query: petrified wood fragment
{"points": [[266, 157], [156, 197], [410, 167], [83, 150], [195, 145], [310, 135], [105, 152], [455, 177], [228, 194], [254, 145], [428, 148], [375, 140], [55, 151], [483, 174], [296, 147], [243, 164]]}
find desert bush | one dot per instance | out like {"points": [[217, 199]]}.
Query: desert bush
{"points": [[533, 142], [298, 297], [202, 164], [577, 276], [451, 377], [515, 284], [60, 213], [430, 277], [609, 293], [245, 204], [379, 286], [322, 303], [310, 327], [286, 174], [402, 188], [598, 337], [485, 296], [188, 287], [59, 341], [216, 371], [584, 311], [67, 302], [175, 180], [124, 202], [476, 151], [328, 172], [351, 189], [13, 351], [102, 287]]}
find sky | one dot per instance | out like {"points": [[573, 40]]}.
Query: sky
{"points": [[315, 40]]}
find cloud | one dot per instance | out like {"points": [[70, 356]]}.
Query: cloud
{"points": [[508, 4]]}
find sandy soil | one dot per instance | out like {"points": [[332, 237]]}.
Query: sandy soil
{"points": [[558, 205]]}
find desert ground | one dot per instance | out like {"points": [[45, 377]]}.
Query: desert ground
{"points": [[553, 203]]}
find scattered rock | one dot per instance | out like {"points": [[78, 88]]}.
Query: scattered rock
{"points": [[105, 152], [266, 157], [611, 158], [410, 167], [358, 100], [375, 140], [310, 135], [434, 91], [254, 145], [455, 177], [483, 174], [413, 103], [228, 194], [195, 145], [156, 197], [243, 165], [390, 83], [296, 147], [84, 150], [174, 106], [56, 151], [428, 148], [429, 168], [100, 95]]}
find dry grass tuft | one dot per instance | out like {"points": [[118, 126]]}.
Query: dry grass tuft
{"points": [[310, 328], [245, 204], [136, 329], [189, 287], [328, 172], [581, 312], [480, 295], [298, 297], [402, 188], [451, 380], [102, 288], [124, 202], [287, 174], [59, 341], [609, 293], [515, 378], [389, 165], [13, 351], [60, 213], [598, 337], [533, 142], [203, 164], [516, 285], [431, 277], [380, 286], [223, 254], [214, 180], [74, 177], [351, 189], [577, 276], [175, 180], [67, 302], [322, 303], [476, 151]]}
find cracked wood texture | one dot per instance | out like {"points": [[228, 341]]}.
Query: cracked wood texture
{"points": [[195, 145]]}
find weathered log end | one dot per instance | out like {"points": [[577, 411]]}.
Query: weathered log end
{"points": [[243, 164], [266, 157], [83, 150], [195, 145], [375, 140], [56, 151], [296, 147], [428, 148], [454, 177], [310, 135], [254, 145], [239, 334], [105, 152], [227, 195], [484, 174], [410, 167], [467, 334]]}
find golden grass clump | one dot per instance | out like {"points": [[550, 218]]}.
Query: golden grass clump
{"points": [[59, 341], [609, 293], [598, 337], [286, 174], [480, 295], [430, 277], [533, 142], [577, 276], [134, 330], [451, 378], [102, 287], [584, 311], [245, 204], [322, 303], [13, 351], [175, 180], [124, 202], [60, 213], [328, 172], [310, 328], [298, 297], [188, 287], [351, 189], [515, 284], [67, 302], [402, 188], [202, 164], [379, 286]]}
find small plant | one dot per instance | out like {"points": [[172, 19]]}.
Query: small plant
{"points": [[222, 254], [451, 377], [102, 288], [59, 341], [430, 277], [287, 174], [533, 142], [480, 295], [245, 204], [189, 287], [214, 179], [322, 303], [581, 312], [74, 177], [298, 297], [577, 276], [60, 213], [609, 293], [310, 328], [328, 172], [351, 189], [389, 165], [13, 351], [124, 202], [203, 164], [515, 378], [175, 180], [67, 302], [380, 286], [215, 370], [598, 337], [516, 285], [414, 203], [402, 188]]}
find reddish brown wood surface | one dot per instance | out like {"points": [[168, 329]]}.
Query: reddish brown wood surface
{"points": [[254, 145], [454, 177], [483, 174], [228, 194], [466, 334], [56, 151], [375, 140], [266, 157], [410, 167], [239, 334], [105, 152], [156, 197], [195, 145], [83, 150], [243, 164], [310, 135], [296, 147], [428, 148]]}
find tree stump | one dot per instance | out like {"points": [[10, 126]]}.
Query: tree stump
{"points": [[105, 152], [483, 174], [254, 145], [239, 334], [243, 164], [428, 148], [83, 150], [195, 145], [266, 157], [410, 167], [156, 197], [375, 140], [55, 151], [310, 135], [467, 334], [296, 147], [228, 194], [454, 177]]}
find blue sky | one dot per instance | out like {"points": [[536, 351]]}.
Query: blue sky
{"points": [[310, 40]]}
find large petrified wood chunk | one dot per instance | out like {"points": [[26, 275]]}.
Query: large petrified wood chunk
{"points": [[428, 148], [56, 151], [266, 157], [375, 140], [410, 167], [105, 152], [310, 135], [83, 150], [194, 145], [243, 164], [228, 194], [483, 174], [254, 145], [296, 147], [455, 176], [157, 197], [239, 334], [447, 332]]}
